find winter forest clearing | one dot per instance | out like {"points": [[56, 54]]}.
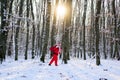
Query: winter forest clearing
{"points": [[75, 70], [82, 34]]}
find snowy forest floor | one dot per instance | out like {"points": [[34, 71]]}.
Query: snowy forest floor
{"points": [[75, 70]]}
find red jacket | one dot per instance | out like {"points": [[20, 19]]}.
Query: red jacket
{"points": [[55, 50]]}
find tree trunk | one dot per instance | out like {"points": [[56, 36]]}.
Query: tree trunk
{"points": [[66, 39], [33, 36], [83, 23], [3, 30], [92, 28], [98, 8], [27, 36], [17, 29], [42, 29], [103, 33], [116, 52], [11, 38]]}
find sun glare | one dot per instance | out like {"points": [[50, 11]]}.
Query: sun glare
{"points": [[61, 11]]}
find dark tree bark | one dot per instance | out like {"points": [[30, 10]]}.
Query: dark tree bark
{"points": [[83, 23], [42, 58], [27, 36], [116, 51], [3, 30], [10, 8], [98, 8], [42, 30]]}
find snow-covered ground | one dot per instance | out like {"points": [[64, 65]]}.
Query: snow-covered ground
{"points": [[75, 70]]}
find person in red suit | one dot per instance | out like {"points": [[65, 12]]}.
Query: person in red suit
{"points": [[56, 50]]}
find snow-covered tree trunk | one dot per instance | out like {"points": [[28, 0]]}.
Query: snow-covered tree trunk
{"points": [[33, 27]]}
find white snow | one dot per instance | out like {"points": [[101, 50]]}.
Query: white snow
{"points": [[76, 69]]}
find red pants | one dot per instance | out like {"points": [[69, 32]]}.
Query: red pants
{"points": [[54, 58]]}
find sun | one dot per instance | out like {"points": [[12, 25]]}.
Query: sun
{"points": [[61, 10]]}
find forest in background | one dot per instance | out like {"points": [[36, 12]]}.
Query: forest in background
{"points": [[89, 29]]}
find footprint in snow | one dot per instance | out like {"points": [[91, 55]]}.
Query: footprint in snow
{"points": [[61, 75], [23, 76], [105, 69], [103, 79]]}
